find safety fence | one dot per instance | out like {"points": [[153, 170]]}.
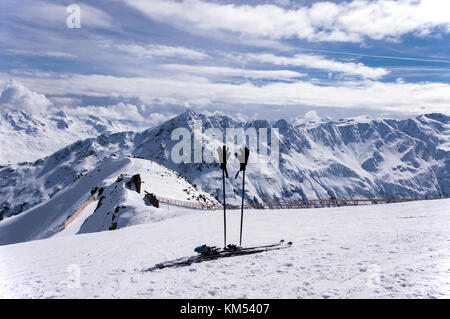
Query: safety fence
{"points": [[315, 203], [80, 210], [187, 204], [318, 203]]}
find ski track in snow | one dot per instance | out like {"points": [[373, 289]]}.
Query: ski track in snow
{"points": [[395, 251]]}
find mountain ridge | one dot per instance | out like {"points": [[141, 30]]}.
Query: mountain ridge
{"points": [[350, 158], [38, 135]]}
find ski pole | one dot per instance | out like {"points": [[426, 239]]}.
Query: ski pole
{"points": [[223, 155], [224, 212], [242, 207], [243, 159]]}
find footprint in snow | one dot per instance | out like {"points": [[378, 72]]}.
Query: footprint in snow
{"points": [[212, 293]]}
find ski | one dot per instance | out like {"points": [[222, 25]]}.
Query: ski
{"points": [[281, 242], [207, 253]]}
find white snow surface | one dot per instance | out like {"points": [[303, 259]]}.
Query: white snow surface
{"points": [[380, 251]]}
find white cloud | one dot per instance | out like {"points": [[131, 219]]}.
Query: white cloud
{"points": [[282, 2], [234, 72], [157, 50], [400, 97], [49, 54], [120, 111], [15, 96], [64, 101], [321, 63], [312, 116], [322, 21], [55, 15], [94, 17], [31, 73]]}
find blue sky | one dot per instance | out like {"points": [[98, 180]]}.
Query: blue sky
{"points": [[265, 59]]}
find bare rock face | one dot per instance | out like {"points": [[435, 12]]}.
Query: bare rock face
{"points": [[114, 217], [135, 183], [150, 198]]}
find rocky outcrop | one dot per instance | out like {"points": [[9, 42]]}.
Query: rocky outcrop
{"points": [[135, 183], [150, 199]]}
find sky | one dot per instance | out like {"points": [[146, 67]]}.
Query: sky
{"points": [[253, 59]]}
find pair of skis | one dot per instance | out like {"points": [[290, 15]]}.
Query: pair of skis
{"points": [[206, 253], [243, 156]]}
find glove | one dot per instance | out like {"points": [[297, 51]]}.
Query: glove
{"points": [[224, 155], [244, 153]]}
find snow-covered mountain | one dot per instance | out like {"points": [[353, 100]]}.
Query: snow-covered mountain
{"points": [[353, 158], [31, 136], [119, 187], [33, 125]]}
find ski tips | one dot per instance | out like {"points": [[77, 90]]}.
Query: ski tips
{"points": [[289, 243]]}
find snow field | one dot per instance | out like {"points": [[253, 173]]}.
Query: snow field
{"points": [[381, 251]]}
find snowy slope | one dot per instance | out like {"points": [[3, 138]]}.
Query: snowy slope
{"points": [[118, 206], [350, 158], [396, 251], [74, 227]]}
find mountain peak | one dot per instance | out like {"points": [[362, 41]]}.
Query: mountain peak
{"points": [[440, 117], [185, 117], [189, 114]]}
